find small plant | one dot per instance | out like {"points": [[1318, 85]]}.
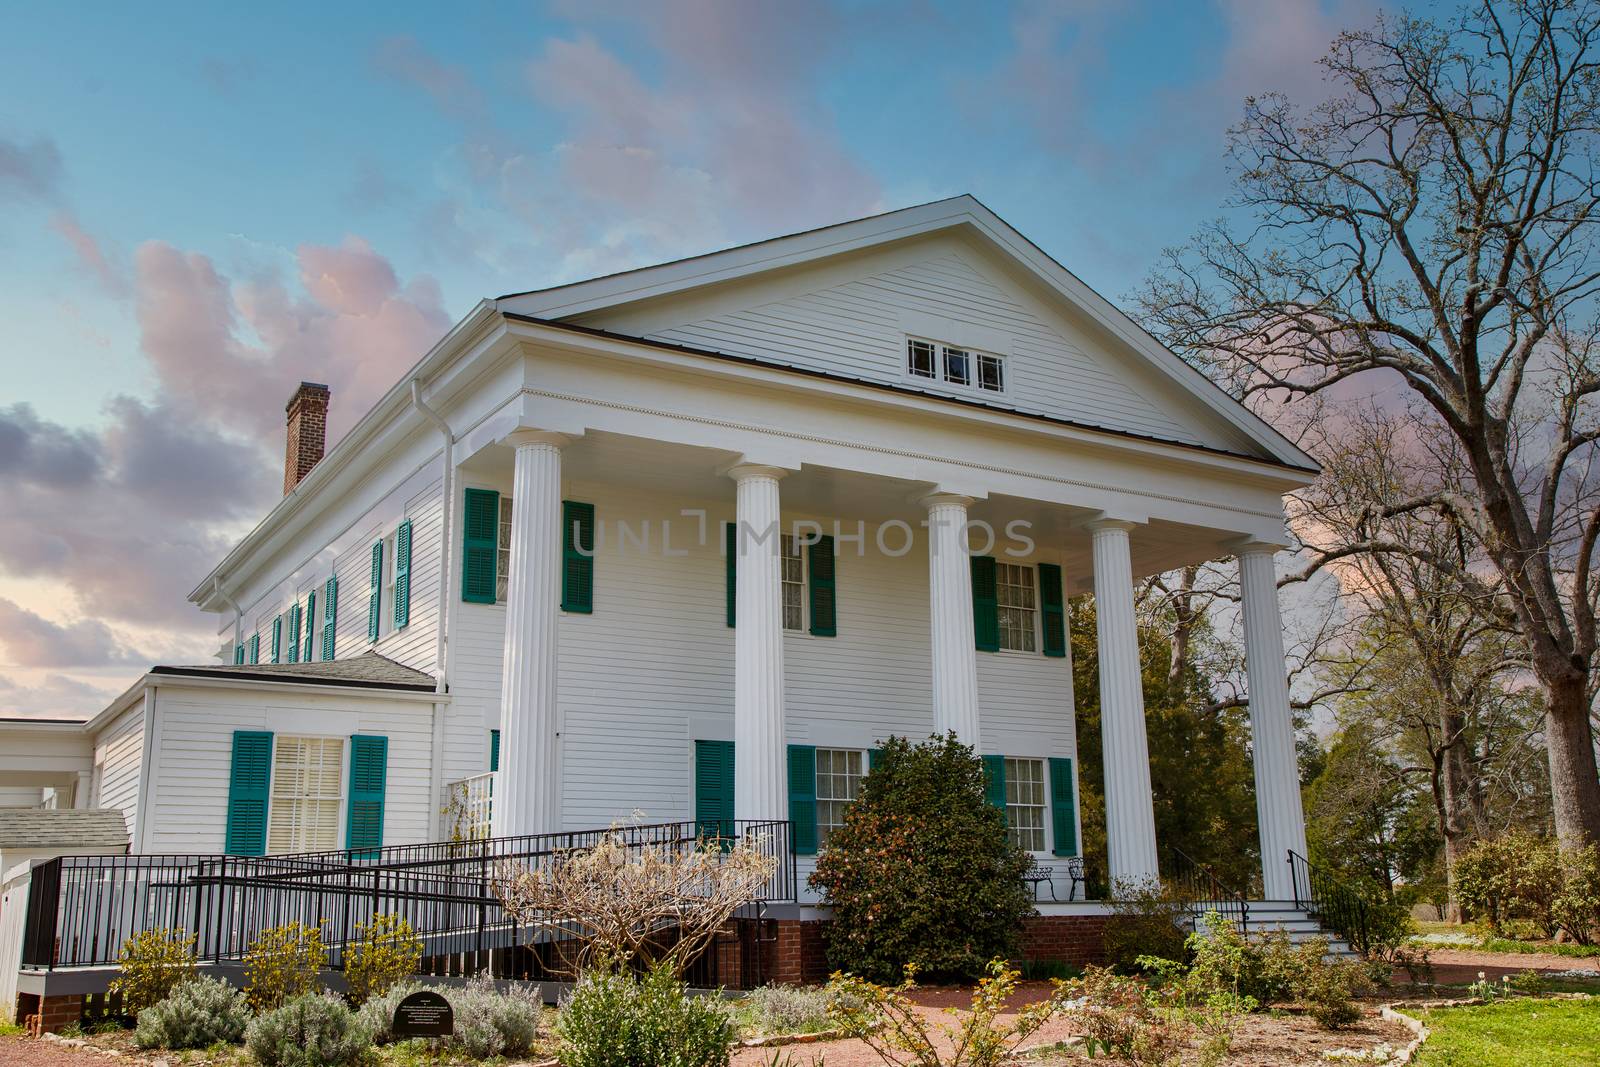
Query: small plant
{"points": [[199, 1013], [888, 1023], [1146, 920], [385, 951], [153, 964], [1530, 982], [492, 1023], [1126, 1021], [614, 1019], [283, 963], [783, 1009], [1329, 987], [310, 1030]]}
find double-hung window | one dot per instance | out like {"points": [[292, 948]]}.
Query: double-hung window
{"points": [[307, 776], [839, 772], [793, 564], [1025, 803], [502, 556], [1017, 599], [391, 561], [955, 365]]}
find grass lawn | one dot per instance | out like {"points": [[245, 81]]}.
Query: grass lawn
{"points": [[1513, 1033]]}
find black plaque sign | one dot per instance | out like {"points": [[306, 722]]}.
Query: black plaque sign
{"points": [[424, 1014]]}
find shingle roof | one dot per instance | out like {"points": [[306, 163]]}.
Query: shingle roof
{"points": [[368, 671], [62, 827]]}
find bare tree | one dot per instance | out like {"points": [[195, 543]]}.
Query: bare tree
{"points": [[660, 902], [1432, 226]]}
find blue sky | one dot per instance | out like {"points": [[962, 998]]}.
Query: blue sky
{"points": [[200, 204]]}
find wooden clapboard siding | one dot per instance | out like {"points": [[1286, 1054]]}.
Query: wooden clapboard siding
{"points": [[118, 760]]}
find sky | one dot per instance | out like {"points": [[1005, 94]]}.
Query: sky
{"points": [[203, 204]]}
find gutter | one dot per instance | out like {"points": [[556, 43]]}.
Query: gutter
{"points": [[447, 532]]}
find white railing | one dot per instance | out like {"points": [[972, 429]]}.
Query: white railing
{"points": [[469, 806]]}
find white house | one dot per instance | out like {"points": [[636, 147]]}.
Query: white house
{"points": [[518, 559]]}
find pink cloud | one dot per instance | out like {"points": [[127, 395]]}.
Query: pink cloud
{"points": [[403, 58], [90, 255], [31, 640]]}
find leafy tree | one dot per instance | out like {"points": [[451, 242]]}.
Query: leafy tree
{"points": [[923, 870]]}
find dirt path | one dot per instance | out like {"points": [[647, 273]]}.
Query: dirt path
{"points": [[26, 1052], [1461, 966]]}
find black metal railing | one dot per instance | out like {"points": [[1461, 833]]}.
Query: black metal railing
{"points": [[1332, 902], [82, 908], [1202, 892]]}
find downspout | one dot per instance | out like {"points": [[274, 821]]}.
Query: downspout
{"points": [[447, 490], [238, 621]]}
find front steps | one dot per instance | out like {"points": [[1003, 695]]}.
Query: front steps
{"points": [[1285, 915]]}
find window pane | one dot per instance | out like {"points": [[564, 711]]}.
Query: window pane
{"points": [[838, 783], [919, 359], [1015, 595], [793, 566], [990, 374], [957, 366], [1025, 802], [306, 774], [502, 570]]}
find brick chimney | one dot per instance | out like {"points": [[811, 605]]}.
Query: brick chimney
{"points": [[308, 433]]}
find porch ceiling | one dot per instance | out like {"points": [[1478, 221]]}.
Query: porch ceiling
{"points": [[695, 476]]}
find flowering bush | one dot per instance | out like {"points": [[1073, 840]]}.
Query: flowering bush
{"points": [[386, 951], [283, 962], [153, 964], [922, 872]]}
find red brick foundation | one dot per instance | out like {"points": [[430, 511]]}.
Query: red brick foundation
{"points": [[801, 958], [49, 1015], [1075, 939], [1078, 940]]}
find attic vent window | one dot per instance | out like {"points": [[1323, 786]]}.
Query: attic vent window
{"points": [[959, 367]]}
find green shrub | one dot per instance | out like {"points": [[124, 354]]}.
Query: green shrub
{"points": [[283, 963], [923, 871], [377, 1014], [1269, 968], [153, 964], [1126, 1020], [1329, 987], [310, 1030], [199, 1013], [385, 951], [785, 1009], [1146, 920], [1506, 879], [614, 1019], [1577, 908]]}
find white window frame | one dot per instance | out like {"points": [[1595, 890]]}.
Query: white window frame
{"points": [[784, 584], [941, 351], [502, 549], [342, 787], [1013, 790], [862, 767], [391, 557], [1035, 611]]}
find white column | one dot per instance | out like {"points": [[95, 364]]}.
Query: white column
{"points": [[1130, 811], [81, 789], [1278, 813], [760, 772], [955, 659], [528, 792]]}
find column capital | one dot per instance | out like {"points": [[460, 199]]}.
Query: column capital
{"points": [[1255, 546], [740, 472], [527, 437], [938, 498], [1104, 523]]}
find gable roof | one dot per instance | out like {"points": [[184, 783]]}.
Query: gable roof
{"points": [[62, 827], [961, 212], [367, 671]]}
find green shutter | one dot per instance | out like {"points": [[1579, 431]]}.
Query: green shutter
{"points": [[994, 781], [247, 793], [1063, 807], [238, 655], [577, 556], [255, 648], [494, 750], [310, 652], [402, 575], [330, 616], [1053, 609], [369, 765], [730, 548], [874, 757], [375, 592], [294, 633], [277, 639], [824, 602], [480, 549], [985, 605], [713, 788], [803, 798]]}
